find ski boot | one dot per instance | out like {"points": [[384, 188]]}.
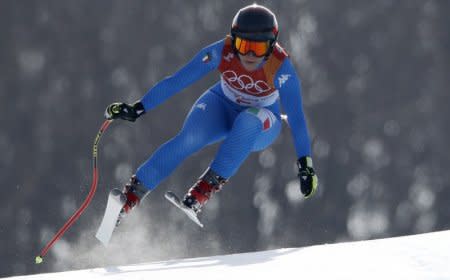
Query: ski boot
{"points": [[119, 204], [133, 193], [208, 184]]}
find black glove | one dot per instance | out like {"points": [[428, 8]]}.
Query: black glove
{"points": [[307, 176], [124, 111]]}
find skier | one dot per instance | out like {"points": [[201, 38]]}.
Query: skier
{"points": [[242, 110]]}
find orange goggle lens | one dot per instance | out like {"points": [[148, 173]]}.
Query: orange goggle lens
{"points": [[244, 46]]}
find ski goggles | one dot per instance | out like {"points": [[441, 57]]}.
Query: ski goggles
{"points": [[244, 46]]}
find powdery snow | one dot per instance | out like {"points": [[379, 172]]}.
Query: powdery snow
{"points": [[424, 256]]}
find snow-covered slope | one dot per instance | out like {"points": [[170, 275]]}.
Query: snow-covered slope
{"points": [[425, 256]]}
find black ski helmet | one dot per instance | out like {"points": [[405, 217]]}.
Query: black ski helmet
{"points": [[257, 23]]}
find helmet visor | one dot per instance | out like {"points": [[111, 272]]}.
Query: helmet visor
{"points": [[244, 46]]}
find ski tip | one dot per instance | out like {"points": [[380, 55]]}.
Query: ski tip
{"points": [[171, 196], [39, 260], [103, 240], [169, 193]]}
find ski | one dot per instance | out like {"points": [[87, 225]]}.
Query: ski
{"points": [[116, 201], [173, 198]]}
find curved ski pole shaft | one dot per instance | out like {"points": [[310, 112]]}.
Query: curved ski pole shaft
{"points": [[77, 214]]}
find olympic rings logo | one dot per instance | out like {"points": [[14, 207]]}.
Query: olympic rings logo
{"points": [[245, 83]]}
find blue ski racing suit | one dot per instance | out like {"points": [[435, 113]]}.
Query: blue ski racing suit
{"points": [[242, 110]]}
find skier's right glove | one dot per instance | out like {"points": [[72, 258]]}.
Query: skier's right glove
{"points": [[307, 176], [124, 111]]}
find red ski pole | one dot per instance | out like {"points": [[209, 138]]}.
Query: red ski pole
{"points": [[77, 214]]}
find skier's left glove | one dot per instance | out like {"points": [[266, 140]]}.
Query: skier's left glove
{"points": [[124, 111], [307, 176]]}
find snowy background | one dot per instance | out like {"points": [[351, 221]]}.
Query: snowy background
{"points": [[376, 97]]}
